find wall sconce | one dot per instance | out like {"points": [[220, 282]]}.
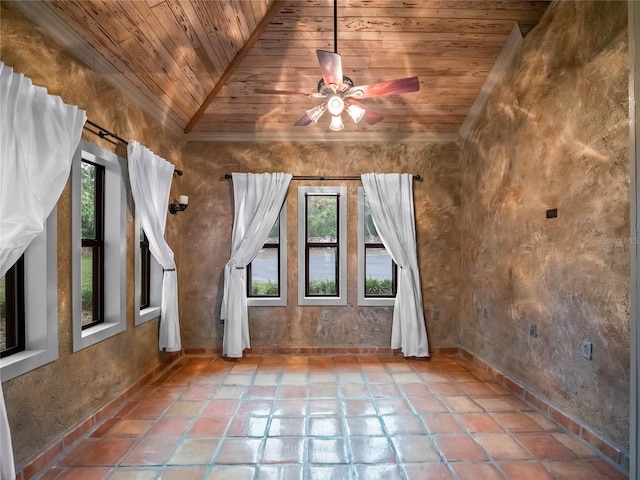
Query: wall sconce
{"points": [[181, 206]]}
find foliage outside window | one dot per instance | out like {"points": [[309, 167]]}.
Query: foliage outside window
{"points": [[92, 227], [12, 313]]}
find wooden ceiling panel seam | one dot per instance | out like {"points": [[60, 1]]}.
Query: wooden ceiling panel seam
{"points": [[272, 12]]}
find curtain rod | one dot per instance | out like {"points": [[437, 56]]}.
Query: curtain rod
{"points": [[103, 133], [320, 177]]}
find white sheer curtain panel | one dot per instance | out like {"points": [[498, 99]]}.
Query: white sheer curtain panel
{"points": [[390, 197], [150, 177], [38, 137], [258, 199]]}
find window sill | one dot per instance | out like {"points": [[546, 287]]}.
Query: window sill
{"points": [[23, 362], [148, 314], [376, 302]]}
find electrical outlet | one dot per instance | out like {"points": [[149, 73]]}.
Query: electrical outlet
{"points": [[533, 330], [586, 349], [325, 316]]}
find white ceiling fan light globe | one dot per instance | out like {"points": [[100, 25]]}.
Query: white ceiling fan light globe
{"points": [[316, 112], [335, 105], [336, 123], [355, 112]]}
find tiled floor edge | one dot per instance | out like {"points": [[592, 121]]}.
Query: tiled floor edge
{"points": [[38, 464], [577, 427], [341, 350]]}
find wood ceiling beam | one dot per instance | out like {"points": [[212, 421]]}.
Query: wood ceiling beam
{"points": [[273, 10]]}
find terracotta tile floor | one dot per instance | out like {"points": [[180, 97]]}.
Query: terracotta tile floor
{"points": [[334, 418]]}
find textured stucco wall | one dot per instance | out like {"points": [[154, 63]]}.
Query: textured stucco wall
{"points": [[555, 135], [47, 401], [208, 222]]}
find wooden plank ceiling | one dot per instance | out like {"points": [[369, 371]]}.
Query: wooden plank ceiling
{"points": [[174, 55]]}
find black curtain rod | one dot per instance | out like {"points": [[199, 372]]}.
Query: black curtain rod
{"points": [[319, 177], [104, 133]]}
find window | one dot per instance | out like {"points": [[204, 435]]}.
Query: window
{"points": [[148, 289], [267, 273], [39, 304], [99, 243], [322, 257], [377, 272], [92, 225], [145, 271], [12, 326]]}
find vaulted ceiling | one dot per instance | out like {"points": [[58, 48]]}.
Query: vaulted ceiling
{"points": [[196, 65]]}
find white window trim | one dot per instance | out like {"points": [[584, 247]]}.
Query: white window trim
{"points": [[41, 305], [280, 301], [155, 285], [342, 243], [362, 300], [115, 248]]}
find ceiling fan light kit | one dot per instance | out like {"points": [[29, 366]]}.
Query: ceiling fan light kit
{"points": [[340, 92]]}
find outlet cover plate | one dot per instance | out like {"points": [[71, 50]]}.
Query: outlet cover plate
{"points": [[586, 349]]}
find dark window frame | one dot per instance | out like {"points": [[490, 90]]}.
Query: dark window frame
{"points": [[97, 246], [394, 272], [309, 245], [15, 307], [145, 271], [250, 293]]}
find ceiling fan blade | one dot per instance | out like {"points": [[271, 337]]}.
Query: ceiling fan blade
{"points": [[331, 66], [284, 92], [391, 87], [303, 121], [370, 116]]}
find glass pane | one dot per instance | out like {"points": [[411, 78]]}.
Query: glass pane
{"points": [[88, 199], [322, 271], [274, 234], [378, 272], [264, 274], [322, 218], [370, 232], [3, 313], [87, 285]]}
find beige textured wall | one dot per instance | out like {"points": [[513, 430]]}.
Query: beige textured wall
{"points": [[555, 135], [47, 401], [207, 226]]}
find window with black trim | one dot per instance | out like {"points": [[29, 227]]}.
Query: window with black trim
{"points": [[377, 272], [380, 271], [322, 245], [92, 260], [145, 271], [263, 273], [267, 273], [12, 314]]}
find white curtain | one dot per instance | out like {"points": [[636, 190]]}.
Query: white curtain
{"points": [[151, 177], [38, 137], [390, 197], [258, 199]]}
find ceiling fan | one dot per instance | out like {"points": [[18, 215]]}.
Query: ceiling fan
{"points": [[340, 92]]}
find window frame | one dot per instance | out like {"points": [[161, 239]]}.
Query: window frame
{"points": [[115, 247], [96, 244], [15, 308], [41, 305], [363, 299], [341, 271], [153, 310], [281, 299]]}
